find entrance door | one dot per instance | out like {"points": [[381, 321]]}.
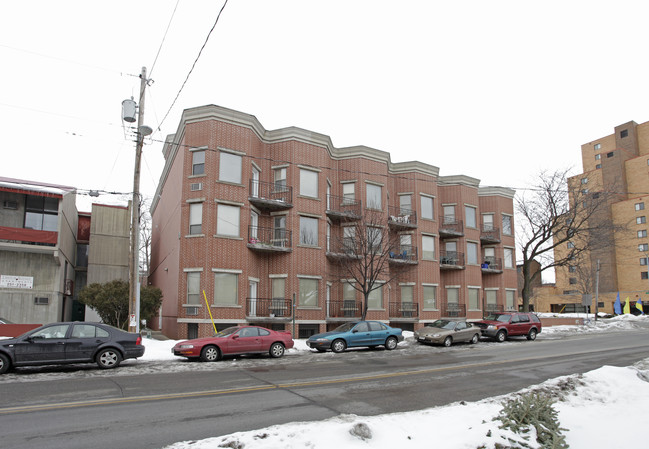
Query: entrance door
{"points": [[252, 294]]}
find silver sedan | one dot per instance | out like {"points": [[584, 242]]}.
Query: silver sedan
{"points": [[447, 332]]}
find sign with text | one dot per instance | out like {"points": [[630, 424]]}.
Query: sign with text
{"points": [[8, 281]]}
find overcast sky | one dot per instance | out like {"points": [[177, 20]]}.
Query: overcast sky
{"points": [[493, 90]]}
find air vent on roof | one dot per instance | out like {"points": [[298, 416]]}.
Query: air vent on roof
{"points": [[10, 204], [196, 186]]}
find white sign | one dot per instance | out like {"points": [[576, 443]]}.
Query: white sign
{"points": [[7, 281], [133, 321]]}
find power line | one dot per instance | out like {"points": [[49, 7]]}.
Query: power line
{"points": [[163, 38], [193, 65]]}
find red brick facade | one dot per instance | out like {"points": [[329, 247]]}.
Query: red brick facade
{"points": [[297, 221]]}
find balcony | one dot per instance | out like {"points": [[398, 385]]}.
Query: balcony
{"points": [[454, 310], [492, 265], [269, 240], [489, 234], [493, 308], [28, 240], [451, 260], [451, 228], [270, 196], [403, 310], [406, 255], [343, 209], [345, 249], [268, 308], [344, 309], [399, 218]]}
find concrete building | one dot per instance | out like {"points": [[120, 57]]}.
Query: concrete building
{"points": [[49, 251], [246, 224], [617, 163]]}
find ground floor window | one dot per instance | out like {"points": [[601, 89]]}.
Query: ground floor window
{"points": [[307, 330], [192, 330]]}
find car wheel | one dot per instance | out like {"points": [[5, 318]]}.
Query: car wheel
{"points": [[5, 364], [532, 334], [338, 345], [391, 343], [276, 350], [475, 339], [501, 336], [210, 354], [448, 341], [108, 358]]}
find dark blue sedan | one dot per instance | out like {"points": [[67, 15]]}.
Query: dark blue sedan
{"points": [[357, 334]]}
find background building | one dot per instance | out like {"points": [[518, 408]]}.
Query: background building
{"points": [[254, 221]]}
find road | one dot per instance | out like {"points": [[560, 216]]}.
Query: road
{"points": [[157, 407]]}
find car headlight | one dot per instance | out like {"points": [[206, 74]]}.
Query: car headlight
{"points": [[437, 335], [322, 340], [492, 327], [185, 347]]}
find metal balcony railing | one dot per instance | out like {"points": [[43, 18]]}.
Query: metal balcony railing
{"points": [[403, 310], [451, 259], [269, 239], [492, 264], [268, 308], [489, 234], [454, 310], [451, 227], [343, 209], [399, 217], [344, 308], [406, 254], [270, 195]]}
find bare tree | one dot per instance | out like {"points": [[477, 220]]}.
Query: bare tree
{"points": [[366, 254], [559, 223], [145, 236]]}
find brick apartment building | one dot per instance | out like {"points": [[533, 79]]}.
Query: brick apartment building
{"points": [[249, 220], [617, 163]]}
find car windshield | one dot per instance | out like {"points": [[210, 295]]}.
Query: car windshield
{"points": [[345, 327], [226, 332], [444, 324], [503, 318]]}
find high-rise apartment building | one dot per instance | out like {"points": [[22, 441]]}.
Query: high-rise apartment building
{"points": [[619, 165], [249, 226]]}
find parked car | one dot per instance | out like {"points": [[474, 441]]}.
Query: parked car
{"points": [[503, 325], [70, 342], [355, 334], [233, 341], [447, 332]]}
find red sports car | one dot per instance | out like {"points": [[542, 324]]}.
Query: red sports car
{"points": [[235, 340]]}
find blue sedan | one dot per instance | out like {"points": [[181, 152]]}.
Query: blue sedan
{"points": [[357, 334]]}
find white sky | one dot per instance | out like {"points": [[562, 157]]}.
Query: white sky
{"points": [[472, 87]]}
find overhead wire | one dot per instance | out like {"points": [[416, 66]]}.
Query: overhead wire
{"points": [[163, 38]]}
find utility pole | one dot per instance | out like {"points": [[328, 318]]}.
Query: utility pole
{"points": [[134, 286]]}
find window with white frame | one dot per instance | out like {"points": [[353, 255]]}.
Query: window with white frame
{"points": [[428, 247], [597, 146], [584, 180], [198, 162], [227, 220], [642, 233], [405, 204], [373, 196], [471, 253], [230, 167], [430, 297], [349, 192], [194, 287], [510, 299], [226, 289], [488, 222], [452, 296], [308, 292], [470, 216], [407, 293], [639, 206], [195, 218], [474, 298], [349, 292], [279, 178], [491, 297], [308, 231], [509, 257], [349, 239], [640, 220], [308, 183], [449, 213], [507, 224], [427, 207], [643, 247], [375, 298], [278, 287], [598, 157], [374, 238]]}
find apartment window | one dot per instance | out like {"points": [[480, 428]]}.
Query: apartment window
{"points": [[373, 196], [349, 192], [510, 298], [643, 260], [349, 239], [571, 245], [572, 281], [278, 288], [507, 225], [427, 207], [598, 157], [308, 293], [452, 296], [597, 146], [430, 297], [472, 253], [405, 204], [491, 296], [308, 231], [198, 162], [195, 218], [279, 230], [598, 166], [509, 257], [407, 293], [624, 133], [584, 180], [226, 289], [308, 183], [474, 298], [488, 222], [227, 220], [644, 275], [230, 167], [375, 298], [470, 215], [374, 238], [41, 213], [449, 214], [642, 233], [427, 247], [643, 247], [572, 269], [610, 154], [640, 220], [639, 206], [194, 287], [279, 177]]}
